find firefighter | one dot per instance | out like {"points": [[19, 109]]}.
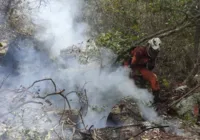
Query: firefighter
{"points": [[143, 61]]}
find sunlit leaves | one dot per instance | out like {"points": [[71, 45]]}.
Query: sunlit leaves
{"points": [[113, 40]]}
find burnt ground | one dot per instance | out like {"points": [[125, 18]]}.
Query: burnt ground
{"points": [[125, 123]]}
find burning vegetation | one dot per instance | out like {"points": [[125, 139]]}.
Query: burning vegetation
{"points": [[62, 75]]}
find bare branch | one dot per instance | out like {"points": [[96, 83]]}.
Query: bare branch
{"points": [[4, 80], [150, 129], [74, 130], [185, 95], [63, 112], [70, 92], [66, 100], [57, 134], [51, 94], [123, 126], [82, 119], [57, 93], [161, 34], [46, 79]]}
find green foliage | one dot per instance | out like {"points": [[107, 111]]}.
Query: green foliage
{"points": [[119, 23], [116, 40], [165, 83], [112, 40]]}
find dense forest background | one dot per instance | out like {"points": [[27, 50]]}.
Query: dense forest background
{"points": [[123, 24]]}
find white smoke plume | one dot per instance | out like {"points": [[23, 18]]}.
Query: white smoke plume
{"points": [[59, 19], [62, 29], [104, 88]]}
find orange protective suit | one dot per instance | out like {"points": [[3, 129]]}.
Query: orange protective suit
{"points": [[143, 63]]}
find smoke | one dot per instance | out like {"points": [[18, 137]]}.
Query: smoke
{"points": [[61, 21], [104, 88], [60, 26]]}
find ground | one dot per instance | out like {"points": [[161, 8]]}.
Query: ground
{"points": [[126, 123]]}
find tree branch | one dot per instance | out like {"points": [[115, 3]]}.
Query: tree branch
{"points": [[57, 93], [46, 79], [51, 94], [150, 129], [185, 95], [80, 114], [4, 80], [160, 34]]}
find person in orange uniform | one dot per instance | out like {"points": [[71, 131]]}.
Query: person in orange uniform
{"points": [[143, 61]]}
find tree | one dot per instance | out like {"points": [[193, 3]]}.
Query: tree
{"points": [[195, 12], [121, 25]]}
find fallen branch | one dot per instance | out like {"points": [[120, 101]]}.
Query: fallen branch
{"points": [[84, 133], [83, 100], [123, 126], [95, 136], [63, 130], [57, 134], [188, 93], [86, 100], [70, 122], [149, 129], [92, 132], [74, 130], [82, 119]]}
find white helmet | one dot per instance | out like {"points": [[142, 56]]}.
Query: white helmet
{"points": [[155, 43]]}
